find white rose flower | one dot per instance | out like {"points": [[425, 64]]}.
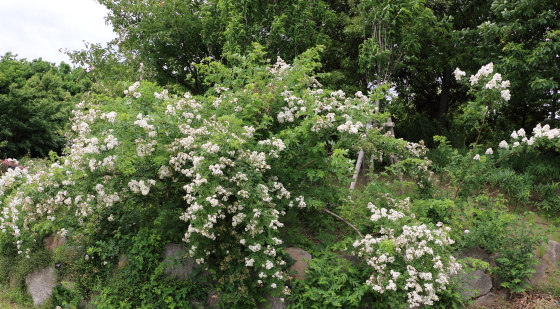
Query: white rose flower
{"points": [[503, 144]]}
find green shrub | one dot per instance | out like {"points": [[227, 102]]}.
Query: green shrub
{"points": [[332, 282]]}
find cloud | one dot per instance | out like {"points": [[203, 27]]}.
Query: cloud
{"points": [[39, 28]]}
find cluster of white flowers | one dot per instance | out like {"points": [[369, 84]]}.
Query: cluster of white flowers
{"points": [[545, 131], [503, 144], [416, 246], [249, 262], [417, 149], [495, 83], [378, 213], [539, 133], [141, 186], [110, 142], [145, 148], [164, 171], [484, 71], [350, 127], [280, 68], [301, 202], [327, 112], [132, 89], [277, 143], [110, 116], [163, 95], [143, 123], [210, 147], [459, 74]]}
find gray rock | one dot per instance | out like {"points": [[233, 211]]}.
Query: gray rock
{"points": [[475, 284], [475, 253], [175, 264], [552, 254], [40, 284], [540, 273], [300, 266], [486, 300]]}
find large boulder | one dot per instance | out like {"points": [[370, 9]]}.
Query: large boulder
{"points": [[300, 266], [541, 272], [40, 284], [176, 265], [486, 300], [552, 255], [548, 263], [475, 284]]}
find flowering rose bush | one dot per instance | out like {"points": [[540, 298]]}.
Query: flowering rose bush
{"points": [[263, 141], [411, 260], [479, 166], [496, 167]]}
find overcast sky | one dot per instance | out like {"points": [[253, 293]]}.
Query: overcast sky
{"points": [[39, 28]]}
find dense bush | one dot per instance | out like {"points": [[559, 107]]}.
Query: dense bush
{"points": [[224, 168]]}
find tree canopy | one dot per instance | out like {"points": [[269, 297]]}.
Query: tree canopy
{"points": [[35, 100], [413, 45]]}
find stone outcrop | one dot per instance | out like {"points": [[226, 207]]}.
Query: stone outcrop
{"points": [[478, 285], [301, 258], [477, 282], [40, 284], [487, 291]]}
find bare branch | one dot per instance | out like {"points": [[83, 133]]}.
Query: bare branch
{"points": [[349, 224]]}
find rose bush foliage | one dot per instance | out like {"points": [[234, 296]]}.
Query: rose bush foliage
{"points": [[263, 141]]}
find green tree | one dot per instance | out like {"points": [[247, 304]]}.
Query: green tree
{"points": [[391, 33], [168, 37], [35, 100], [523, 39]]}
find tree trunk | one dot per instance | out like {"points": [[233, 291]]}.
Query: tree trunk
{"points": [[444, 96]]}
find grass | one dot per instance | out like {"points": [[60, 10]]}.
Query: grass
{"points": [[8, 299]]}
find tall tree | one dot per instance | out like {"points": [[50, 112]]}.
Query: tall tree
{"points": [[391, 33], [170, 36]]}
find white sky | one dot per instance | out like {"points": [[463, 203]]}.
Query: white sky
{"points": [[39, 28]]}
